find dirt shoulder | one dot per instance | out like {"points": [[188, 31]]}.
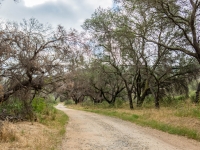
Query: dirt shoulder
{"points": [[90, 131]]}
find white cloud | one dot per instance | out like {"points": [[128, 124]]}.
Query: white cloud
{"points": [[31, 3], [102, 3], [69, 13]]}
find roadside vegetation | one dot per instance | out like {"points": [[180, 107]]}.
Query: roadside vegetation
{"points": [[44, 132]]}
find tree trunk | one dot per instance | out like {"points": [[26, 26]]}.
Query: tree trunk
{"points": [[56, 97], [139, 103], [76, 101], [197, 94], [186, 91], [142, 98], [157, 97], [157, 104], [130, 100], [138, 89]]}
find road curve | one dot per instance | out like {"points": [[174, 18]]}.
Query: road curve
{"points": [[89, 131]]}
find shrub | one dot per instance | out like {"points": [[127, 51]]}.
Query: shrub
{"points": [[12, 107], [180, 98], [193, 97], [12, 110], [119, 103], [69, 102], [173, 101], [51, 100], [38, 105], [44, 110], [104, 104], [149, 102], [87, 102]]}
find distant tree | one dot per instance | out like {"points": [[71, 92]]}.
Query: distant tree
{"points": [[74, 82], [101, 27], [106, 82]]}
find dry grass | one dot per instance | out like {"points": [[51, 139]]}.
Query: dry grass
{"points": [[167, 116], [7, 132], [33, 136], [26, 135]]}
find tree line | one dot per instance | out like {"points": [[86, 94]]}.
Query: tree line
{"points": [[136, 49], [141, 48]]}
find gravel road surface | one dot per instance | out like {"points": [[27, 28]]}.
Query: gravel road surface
{"points": [[89, 131]]}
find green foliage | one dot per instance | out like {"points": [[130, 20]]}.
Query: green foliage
{"points": [[38, 105], [148, 102], [12, 107], [119, 103], [61, 119], [167, 101], [44, 109], [180, 98], [69, 102], [170, 101], [90, 104], [58, 125], [51, 100], [191, 111], [193, 97], [87, 102], [40, 109], [104, 104]]}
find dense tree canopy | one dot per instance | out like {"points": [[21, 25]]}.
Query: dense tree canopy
{"points": [[148, 44], [137, 49]]}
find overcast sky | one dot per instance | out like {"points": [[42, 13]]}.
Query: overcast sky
{"points": [[69, 13]]}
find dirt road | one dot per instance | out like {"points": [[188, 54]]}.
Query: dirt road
{"points": [[89, 131]]}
